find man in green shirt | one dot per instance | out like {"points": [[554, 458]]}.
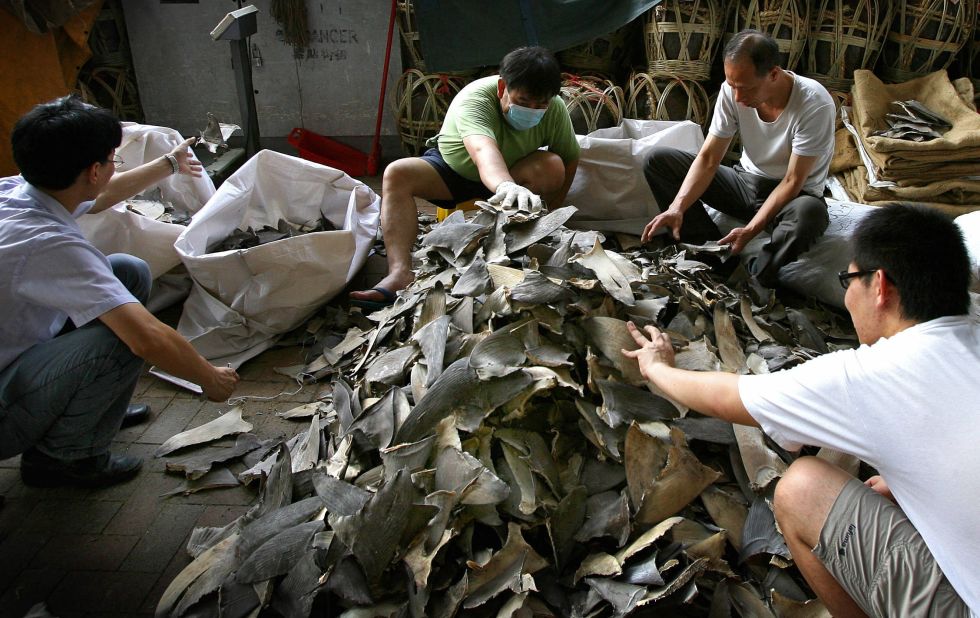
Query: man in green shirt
{"points": [[489, 147]]}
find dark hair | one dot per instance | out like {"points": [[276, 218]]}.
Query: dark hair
{"points": [[532, 70], [56, 140], [923, 254], [757, 47]]}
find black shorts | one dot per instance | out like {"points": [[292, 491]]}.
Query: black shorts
{"points": [[462, 189]]}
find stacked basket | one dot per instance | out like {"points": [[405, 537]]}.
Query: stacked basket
{"points": [[925, 36], [845, 35], [594, 100], [680, 40]]}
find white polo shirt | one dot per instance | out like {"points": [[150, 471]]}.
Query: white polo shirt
{"points": [[50, 271]]}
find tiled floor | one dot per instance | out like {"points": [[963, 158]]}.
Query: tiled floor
{"points": [[112, 551]]}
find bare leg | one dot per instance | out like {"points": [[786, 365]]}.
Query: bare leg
{"points": [[542, 172], [403, 180], [804, 497]]}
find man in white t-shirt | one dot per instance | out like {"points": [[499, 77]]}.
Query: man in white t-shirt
{"points": [[786, 125], [907, 402]]}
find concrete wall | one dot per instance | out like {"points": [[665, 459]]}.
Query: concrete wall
{"points": [[332, 89]]}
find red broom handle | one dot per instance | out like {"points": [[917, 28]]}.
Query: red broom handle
{"points": [[376, 144]]}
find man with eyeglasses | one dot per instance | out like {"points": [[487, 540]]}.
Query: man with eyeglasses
{"points": [[907, 402], [75, 332], [489, 147]]}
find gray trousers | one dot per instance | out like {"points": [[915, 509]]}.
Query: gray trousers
{"points": [[66, 397], [740, 194]]}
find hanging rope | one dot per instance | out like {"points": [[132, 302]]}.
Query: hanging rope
{"points": [[291, 15]]}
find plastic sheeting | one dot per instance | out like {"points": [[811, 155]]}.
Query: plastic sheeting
{"points": [[243, 299], [815, 272], [969, 225], [447, 30], [609, 189]]}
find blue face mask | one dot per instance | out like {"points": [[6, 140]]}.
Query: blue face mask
{"points": [[524, 118]]}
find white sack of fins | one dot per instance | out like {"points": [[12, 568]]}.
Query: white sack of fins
{"points": [[609, 189], [242, 299]]}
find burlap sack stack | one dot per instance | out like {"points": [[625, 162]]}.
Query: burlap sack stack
{"points": [[943, 172]]}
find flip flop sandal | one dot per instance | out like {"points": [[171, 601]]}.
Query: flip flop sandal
{"points": [[375, 305]]}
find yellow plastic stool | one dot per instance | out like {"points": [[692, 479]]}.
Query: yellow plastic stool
{"points": [[442, 213]]}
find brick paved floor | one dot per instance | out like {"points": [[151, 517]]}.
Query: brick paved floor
{"points": [[112, 551]]}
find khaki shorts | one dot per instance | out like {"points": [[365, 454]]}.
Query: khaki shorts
{"points": [[874, 552]]}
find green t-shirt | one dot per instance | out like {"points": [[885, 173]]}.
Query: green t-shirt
{"points": [[476, 111]]}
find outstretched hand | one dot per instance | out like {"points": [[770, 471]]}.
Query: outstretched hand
{"points": [[670, 219], [509, 192], [187, 163], [653, 351], [222, 384], [737, 239]]}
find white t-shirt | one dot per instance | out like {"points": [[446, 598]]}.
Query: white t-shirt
{"points": [[909, 405], [804, 128]]}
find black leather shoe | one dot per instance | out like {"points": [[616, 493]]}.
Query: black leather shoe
{"points": [[40, 470], [136, 413]]}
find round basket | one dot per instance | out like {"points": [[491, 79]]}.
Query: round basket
{"points": [[651, 97], [925, 36], [971, 56], [113, 88], [845, 35], [604, 54], [593, 102], [681, 37], [786, 21], [421, 102]]}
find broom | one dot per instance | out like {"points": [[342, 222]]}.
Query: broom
{"points": [[291, 15]]}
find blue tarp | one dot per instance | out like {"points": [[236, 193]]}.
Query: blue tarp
{"points": [[456, 35]]}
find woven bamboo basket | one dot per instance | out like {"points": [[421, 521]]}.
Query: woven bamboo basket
{"points": [[650, 97], [845, 35], [604, 54], [421, 101], [787, 21], [925, 36], [971, 60], [681, 37], [113, 88], [593, 102], [408, 30]]}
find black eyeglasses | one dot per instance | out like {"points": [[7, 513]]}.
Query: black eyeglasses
{"points": [[116, 161], [845, 277]]}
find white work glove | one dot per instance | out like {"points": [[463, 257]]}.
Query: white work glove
{"points": [[508, 192]]}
